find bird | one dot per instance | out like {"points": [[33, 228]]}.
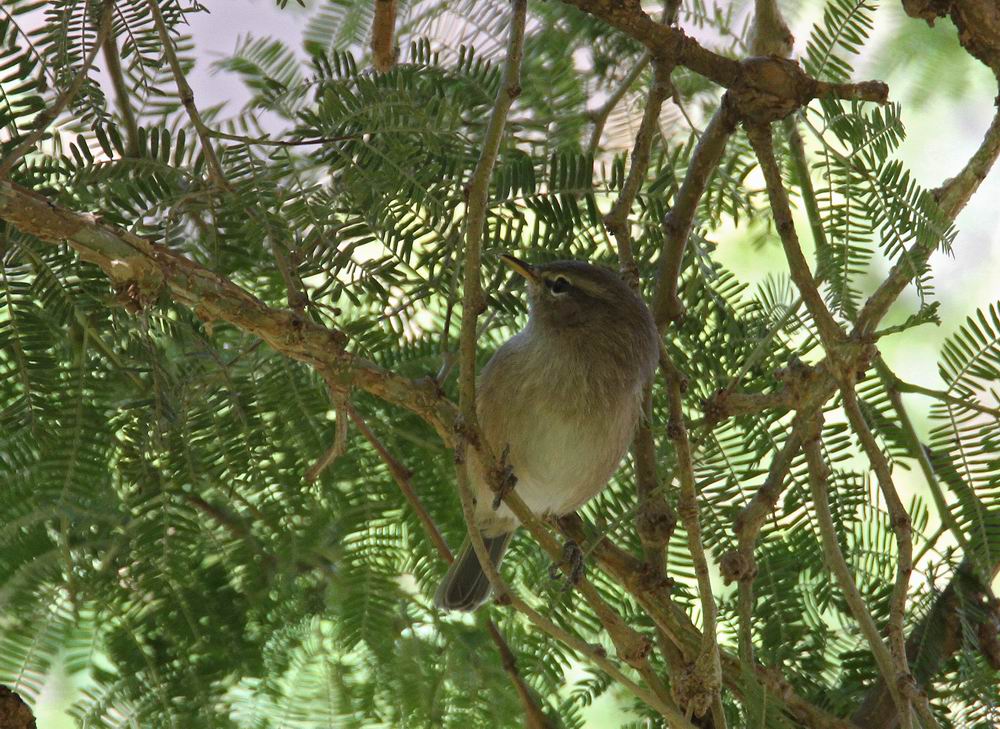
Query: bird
{"points": [[561, 400]]}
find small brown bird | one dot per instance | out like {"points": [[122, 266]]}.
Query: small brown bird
{"points": [[562, 397]]}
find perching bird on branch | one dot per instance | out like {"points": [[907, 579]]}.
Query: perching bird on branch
{"points": [[561, 399]]}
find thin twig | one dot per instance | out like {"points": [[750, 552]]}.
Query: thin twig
{"points": [[401, 475], [616, 220], [678, 222], [901, 525], [952, 197], [477, 194], [708, 664], [919, 454], [112, 60], [297, 298], [945, 397], [534, 717], [600, 116], [335, 451], [740, 565], [186, 95], [842, 572], [593, 653], [829, 330], [49, 115], [902, 529], [631, 647], [268, 142], [655, 519]]}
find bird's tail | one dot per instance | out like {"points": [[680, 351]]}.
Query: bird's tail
{"points": [[465, 587]]}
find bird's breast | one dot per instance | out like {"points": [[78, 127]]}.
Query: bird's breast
{"points": [[564, 424]]}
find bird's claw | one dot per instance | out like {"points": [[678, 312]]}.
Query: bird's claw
{"points": [[504, 479], [572, 558]]}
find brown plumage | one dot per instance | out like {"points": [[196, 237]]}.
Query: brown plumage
{"points": [[563, 395]]}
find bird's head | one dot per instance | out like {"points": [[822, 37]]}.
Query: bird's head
{"points": [[573, 295]]}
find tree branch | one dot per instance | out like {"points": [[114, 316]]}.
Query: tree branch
{"points": [[384, 50], [655, 519], [765, 88], [919, 453], [739, 565], [600, 116], [955, 614], [140, 269], [401, 475], [112, 60], [655, 600], [477, 193], [616, 221], [593, 653], [945, 397]]}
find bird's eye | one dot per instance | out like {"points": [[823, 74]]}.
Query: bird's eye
{"points": [[558, 285]]}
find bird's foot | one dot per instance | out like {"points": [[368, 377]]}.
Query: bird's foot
{"points": [[503, 480], [572, 560]]}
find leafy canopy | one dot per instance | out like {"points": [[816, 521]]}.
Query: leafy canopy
{"points": [[157, 532]]}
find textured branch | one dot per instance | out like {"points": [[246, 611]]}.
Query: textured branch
{"points": [[977, 21], [677, 224], [477, 194], [14, 712], [140, 269], [769, 34], [765, 89], [740, 565], [655, 519], [384, 50], [49, 115]]}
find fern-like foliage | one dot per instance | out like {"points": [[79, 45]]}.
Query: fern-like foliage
{"points": [[158, 536]]}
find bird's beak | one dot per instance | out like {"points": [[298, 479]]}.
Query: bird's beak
{"points": [[519, 267]]}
